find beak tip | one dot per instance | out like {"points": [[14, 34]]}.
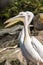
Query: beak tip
{"points": [[5, 22]]}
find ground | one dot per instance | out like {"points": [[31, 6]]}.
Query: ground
{"points": [[9, 57]]}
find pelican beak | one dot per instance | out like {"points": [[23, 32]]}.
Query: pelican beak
{"points": [[14, 20]]}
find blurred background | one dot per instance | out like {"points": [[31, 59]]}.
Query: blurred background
{"points": [[10, 8]]}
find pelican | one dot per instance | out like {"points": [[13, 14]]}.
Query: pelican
{"points": [[26, 46], [35, 43]]}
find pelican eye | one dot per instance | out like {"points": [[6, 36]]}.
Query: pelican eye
{"points": [[21, 14]]}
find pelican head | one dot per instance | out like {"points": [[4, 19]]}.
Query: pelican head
{"points": [[30, 16], [29, 13], [12, 21], [20, 17]]}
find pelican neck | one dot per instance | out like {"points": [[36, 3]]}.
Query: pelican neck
{"points": [[26, 25]]}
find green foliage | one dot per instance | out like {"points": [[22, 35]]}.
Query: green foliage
{"points": [[15, 6]]}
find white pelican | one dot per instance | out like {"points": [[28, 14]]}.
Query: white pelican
{"points": [[26, 46], [35, 43]]}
